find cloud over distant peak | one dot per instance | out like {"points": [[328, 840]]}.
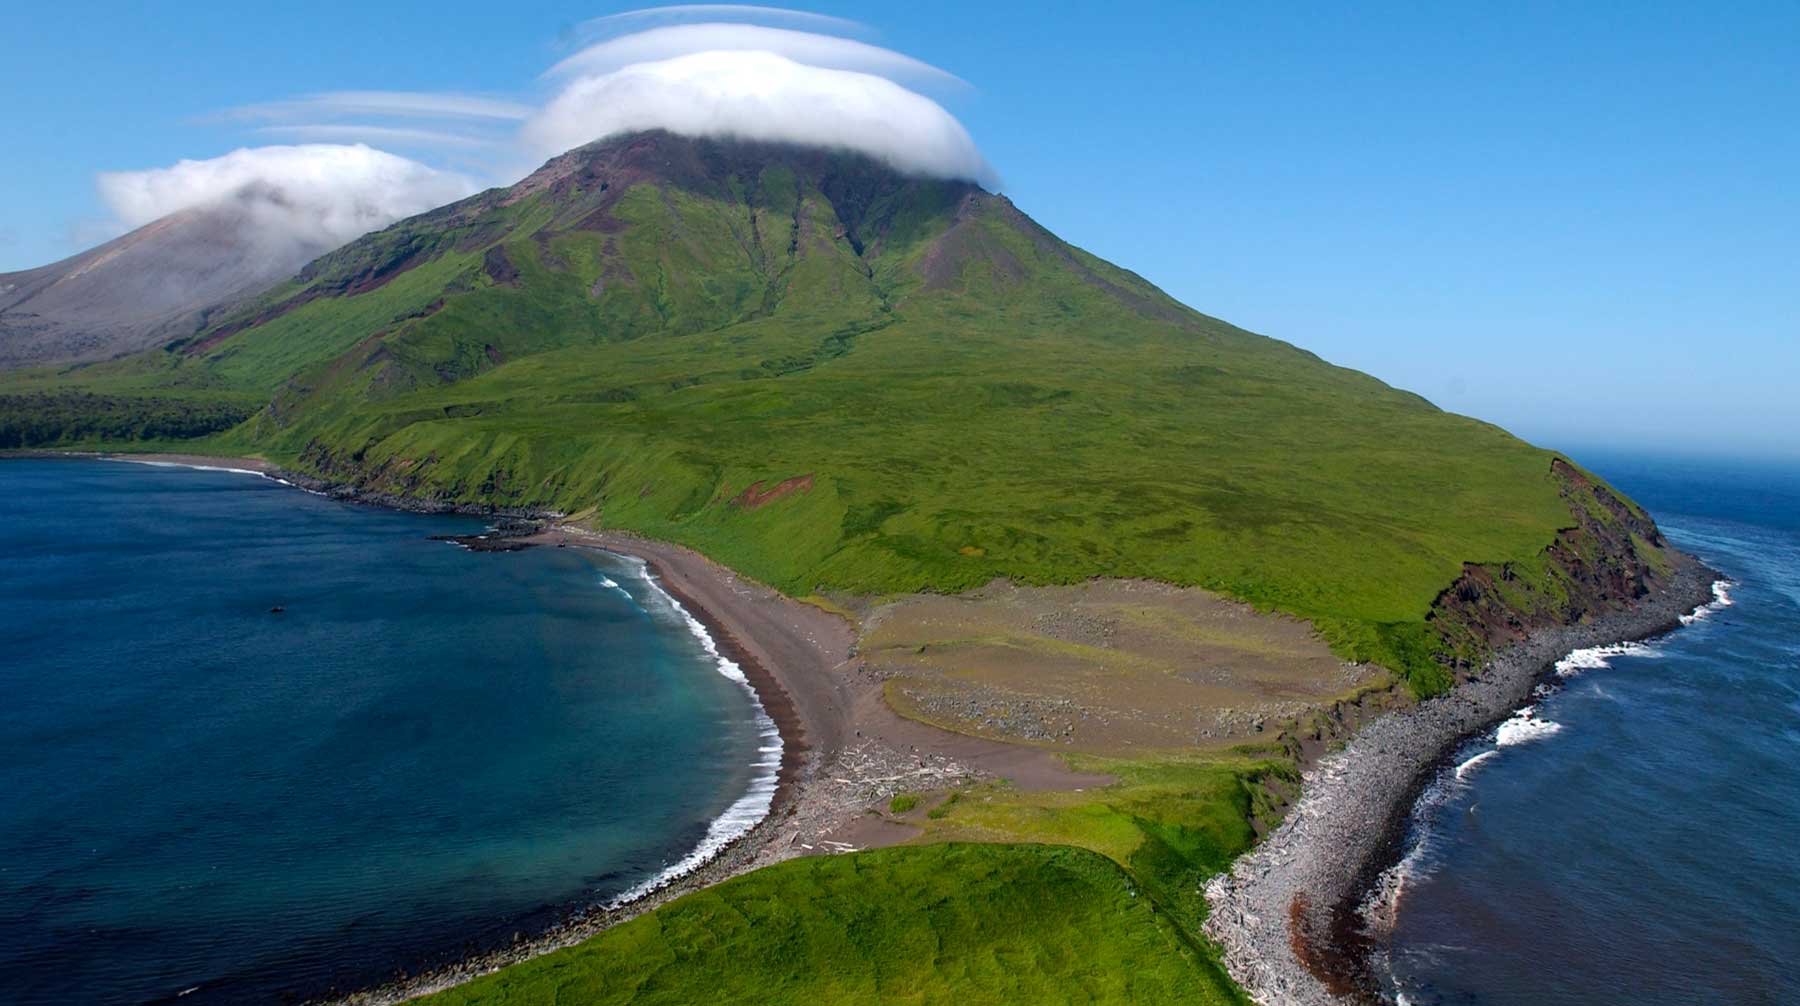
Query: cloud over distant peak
{"points": [[319, 195], [720, 70]]}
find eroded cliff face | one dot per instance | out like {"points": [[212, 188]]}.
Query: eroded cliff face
{"points": [[1611, 556], [1294, 915]]}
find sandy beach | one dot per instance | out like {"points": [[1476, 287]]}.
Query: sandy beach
{"points": [[844, 750]]}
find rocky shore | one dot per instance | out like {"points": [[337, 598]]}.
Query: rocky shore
{"points": [[1288, 915]]}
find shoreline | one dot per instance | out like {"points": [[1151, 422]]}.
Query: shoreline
{"points": [[843, 749], [1289, 915], [737, 855], [1288, 912], [771, 696]]}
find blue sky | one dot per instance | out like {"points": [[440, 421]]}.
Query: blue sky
{"points": [[1579, 221]]}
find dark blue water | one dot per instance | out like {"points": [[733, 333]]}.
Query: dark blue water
{"points": [[1645, 849], [429, 749]]}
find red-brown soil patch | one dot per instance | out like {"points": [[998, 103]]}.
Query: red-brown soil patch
{"points": [[754, 495]]}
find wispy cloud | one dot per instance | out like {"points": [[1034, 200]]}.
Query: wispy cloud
{"points": [[741, 13], [813, 49], [396, 104], [399, 136]]}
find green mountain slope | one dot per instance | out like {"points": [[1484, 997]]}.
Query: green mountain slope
{"points": [[831, 377]]}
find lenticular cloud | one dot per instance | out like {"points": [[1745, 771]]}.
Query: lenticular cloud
{"points": [[761, 96], [806, 47], [315, 194]]}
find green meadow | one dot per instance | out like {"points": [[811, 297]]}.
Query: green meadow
{"points": [[1009, 897]]}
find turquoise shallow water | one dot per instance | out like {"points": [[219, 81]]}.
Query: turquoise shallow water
{"points": [[1637, 843], [428, 751]]}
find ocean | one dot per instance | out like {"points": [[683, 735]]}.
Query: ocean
{"points": [[427, 751], [1634, 837]]}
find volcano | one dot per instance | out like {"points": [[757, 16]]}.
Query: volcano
{"points": [[157, 283], [833, 376]]}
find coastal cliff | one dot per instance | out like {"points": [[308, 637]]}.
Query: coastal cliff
{"points": [[1300, 916]]}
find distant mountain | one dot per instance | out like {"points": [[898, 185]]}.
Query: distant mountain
{"points": [[157, 283], [834, 377]]}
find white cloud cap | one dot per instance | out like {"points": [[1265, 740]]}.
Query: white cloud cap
{"points": [[317, 194], [762, 96]]}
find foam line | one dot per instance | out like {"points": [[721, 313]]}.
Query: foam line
{"points": [[748, 810]]}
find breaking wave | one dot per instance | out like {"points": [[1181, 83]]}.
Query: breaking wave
{"points": [[1466, 766], [1721, 590], [1600, 657], [214, 468], [748, 810], [1381, 907], [1524, 726]]}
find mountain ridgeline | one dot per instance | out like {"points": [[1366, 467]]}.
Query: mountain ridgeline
{"points": [[834, 378], [160, 282]]}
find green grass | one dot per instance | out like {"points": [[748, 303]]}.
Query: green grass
{"points": [[1013, 897], [1172, 822], [954, 924], [903, 803]]}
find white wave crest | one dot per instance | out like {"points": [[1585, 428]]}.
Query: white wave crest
{"points": [[1721, 591], [1597, 657], [748, 810], [194, 467], [1524, 727], [1463, 770], [216, 468]]}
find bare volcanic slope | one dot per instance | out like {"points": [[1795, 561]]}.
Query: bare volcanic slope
{"points": [[157, 283], [835, 378]]}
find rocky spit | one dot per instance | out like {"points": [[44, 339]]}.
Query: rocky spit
{"points": [[1299, 893]]}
